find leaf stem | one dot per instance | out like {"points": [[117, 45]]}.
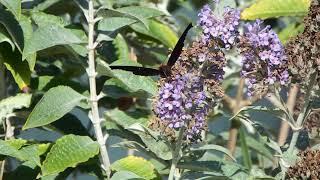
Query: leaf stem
{"points": [[302, 114], [291, 101], [236, 106], [104, 158], [176, 154]]}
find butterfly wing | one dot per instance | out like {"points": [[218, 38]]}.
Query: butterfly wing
{"points": [[142, 71], [178, 48]]}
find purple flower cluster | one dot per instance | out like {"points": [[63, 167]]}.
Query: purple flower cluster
{"points": [[183, 102], [224, 29], [264, 60]]}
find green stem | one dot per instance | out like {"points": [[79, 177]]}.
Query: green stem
{"points": [[176, 154], [302, 114], [95, 118]]}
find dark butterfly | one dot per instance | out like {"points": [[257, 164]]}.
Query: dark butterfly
{"points": [[165, 69]]}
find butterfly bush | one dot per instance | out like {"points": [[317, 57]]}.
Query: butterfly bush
{"points": [[264, 61], [187, 96], [224, 29]]}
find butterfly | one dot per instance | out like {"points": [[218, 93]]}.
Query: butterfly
{"points": [[165, 69]]}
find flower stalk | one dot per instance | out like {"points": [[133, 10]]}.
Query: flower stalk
{"points": [[176, 154], [302, 114], [104, 158]]}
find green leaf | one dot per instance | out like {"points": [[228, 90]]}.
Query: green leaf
{"points": [[133, 82], [10, 104], [213, 147], [264, 9], [42, 19], [153, 141], [16, 143], [13, 27], [25, 24], [125, 175], [137, 165], [69, 151], [19, 70], [122, 48], [49, 36], [45, 4], [259, 147], [14, 6], [290, 31], [55, 103], [219, 166], [10, 150], [275, 111], [158, 31], [244, 149], [114, 23], [5, 38], [31, 153], [139, 13], [126, 119]]}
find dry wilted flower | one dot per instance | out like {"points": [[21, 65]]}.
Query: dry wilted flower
{"points": [[307, 167], [304, 50]]}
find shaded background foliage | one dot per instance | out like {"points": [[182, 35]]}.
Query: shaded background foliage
{"points": [[43, 46]]}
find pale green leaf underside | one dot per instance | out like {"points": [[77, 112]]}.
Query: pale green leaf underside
{"points": [[69, 151], [14, 6], [214, 147], [264, 9], [9, 104], [125, 175], [55, 103], [126, 119]]}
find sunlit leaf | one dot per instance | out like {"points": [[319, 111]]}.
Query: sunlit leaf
{"points": [[137, 165], [122, 48], [264, 9], [158, 31], [290, 31], [20, 70], [69, 151]]}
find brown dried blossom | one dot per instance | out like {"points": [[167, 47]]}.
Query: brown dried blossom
{"points": [[307, 167], [304, 50]]}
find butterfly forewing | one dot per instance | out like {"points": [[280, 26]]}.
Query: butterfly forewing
{"points": [[142, 71], [178, 48]]}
